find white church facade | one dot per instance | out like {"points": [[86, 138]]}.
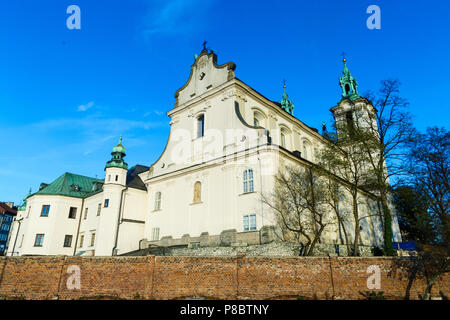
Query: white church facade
{"points": [[226, 143]]}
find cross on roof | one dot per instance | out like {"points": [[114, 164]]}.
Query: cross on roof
{"points": [[204, 44]]}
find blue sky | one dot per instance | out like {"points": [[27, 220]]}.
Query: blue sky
{"points": [[67, 95]]}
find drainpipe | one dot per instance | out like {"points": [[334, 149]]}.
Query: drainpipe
{"points": [[78, 228], [261, 198], [17, 234], [118, 221]]}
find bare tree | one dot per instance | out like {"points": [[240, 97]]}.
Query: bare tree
{"points": [[384, 135], [429, 168], [300, 206], [345, 159]]}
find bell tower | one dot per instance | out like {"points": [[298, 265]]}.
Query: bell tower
{"points": [[352, 111], [116, 171]]}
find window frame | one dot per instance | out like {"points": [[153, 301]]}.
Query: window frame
{"points": [[200, 125], [248, 181], [71, 210], [42, 210], [158, 197], [68, 241], [41, 240]]}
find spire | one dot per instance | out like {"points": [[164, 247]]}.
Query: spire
{"points": [[286, 104], [118, 153], [348, 83]]}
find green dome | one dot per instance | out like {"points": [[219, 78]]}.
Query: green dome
{"points": [[118, 153], [119, 147]]}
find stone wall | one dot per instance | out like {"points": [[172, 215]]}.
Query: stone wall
{"points": [[239, 277]]}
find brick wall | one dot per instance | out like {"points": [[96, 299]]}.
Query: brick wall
{"points": [[176, 277]]}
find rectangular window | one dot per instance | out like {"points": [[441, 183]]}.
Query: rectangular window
{"points": [[39, 241], [250, 222], [81, 240], [99, 209], [155, 234], [92, 238], [68, 241], [246, 224], [72, 213], [200, 126], [157, 201], [85, 213], [106, 203], [45, 210]]}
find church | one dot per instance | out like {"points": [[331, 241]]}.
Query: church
{"points": [[227, 142]]}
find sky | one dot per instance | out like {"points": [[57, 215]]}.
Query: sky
{"points": [[67, 95]]}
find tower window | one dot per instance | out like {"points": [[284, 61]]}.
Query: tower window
{"points": [[200, 126], [248, 181], [349, 119], [347, 88], [117, 177], [106, 205], [45, 210], [99, 208]]}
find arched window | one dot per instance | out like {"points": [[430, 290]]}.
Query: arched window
{"points": [[200, 126], [197, 192], [158, 201], [283, 140], [248, 181], [307, 150], [259, 119]]}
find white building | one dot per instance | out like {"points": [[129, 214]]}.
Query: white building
{"points": [[226, 143]]}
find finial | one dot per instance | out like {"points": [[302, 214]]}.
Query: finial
{"points": [[120, 139], [204, 45], [284, 83], [344, 60]]}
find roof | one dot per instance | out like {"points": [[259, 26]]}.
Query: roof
{"points": [[133, 179], [4, 208], [72, 185]]}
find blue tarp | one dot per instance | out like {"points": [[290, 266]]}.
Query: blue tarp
{"points": [[407, 246]]}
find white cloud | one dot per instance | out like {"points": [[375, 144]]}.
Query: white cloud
{"points": [[84, 107]]}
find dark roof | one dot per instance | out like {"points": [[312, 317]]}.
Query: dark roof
{"points": [[133, 179], [4, 208]]}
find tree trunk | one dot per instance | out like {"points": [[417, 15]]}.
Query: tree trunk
{"points": [[387, 225]]}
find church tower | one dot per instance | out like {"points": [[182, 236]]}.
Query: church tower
{"points": [[352, 111], [116, 171]]}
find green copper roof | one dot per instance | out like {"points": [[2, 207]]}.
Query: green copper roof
{"points": [[72, 185], [118, 153], [286, 104], [348, 84]]}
